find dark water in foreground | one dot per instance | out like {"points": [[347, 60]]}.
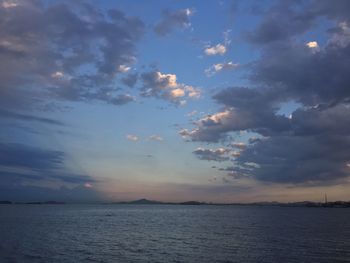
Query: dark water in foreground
{"points": [[161, 233]]}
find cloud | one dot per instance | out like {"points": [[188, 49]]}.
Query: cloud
{"points": [[192, 113], [122, 99], [239, 145], [130, 80], [27, 117], [131, 137], [172, 20], [192, 92], [296, 159], [88, 185], [287, 19], [245, 109], [9, 4], [108, 95], [123, 68], [280, 23], [78, 51], [165, 86], [220, 67], [219, 49], [312, 44], [155, 138], [218, 155], [19, 155], [310, 145], [305, 78], [22, 164], [31, 193]]}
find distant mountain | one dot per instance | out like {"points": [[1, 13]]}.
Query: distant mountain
{"points": [[291, 204], [145, 201], [45, 203], [142, 201], [192, 203]]}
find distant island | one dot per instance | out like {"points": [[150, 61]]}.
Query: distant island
{"points": [[144, 201], [32, 203]]}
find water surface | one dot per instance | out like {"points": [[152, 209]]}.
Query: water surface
{"points": [[173, 233]]}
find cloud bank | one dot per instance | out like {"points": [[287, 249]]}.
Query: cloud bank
{"points": [[309, 146]]}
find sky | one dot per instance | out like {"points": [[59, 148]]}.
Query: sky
{"points": [[216, 101]]}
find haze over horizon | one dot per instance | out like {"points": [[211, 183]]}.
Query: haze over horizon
{"points": [[215, 101]]}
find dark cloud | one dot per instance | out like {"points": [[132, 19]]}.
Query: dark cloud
{"points": [[322, 121], [20, 178], [104, 94], [130, 80], [218, 155], [30, 193], [285, 20], [296, 159], [245, 109], [63, 51], [20, 164], [308, 77], [309, 146], [281, 22], [122, 99], [19, 155], [172, 20], [27, 117]]}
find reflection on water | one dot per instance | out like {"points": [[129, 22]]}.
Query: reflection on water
{"points": [[161, 233]]}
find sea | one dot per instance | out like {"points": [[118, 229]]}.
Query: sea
{"points": [[173, 233]]}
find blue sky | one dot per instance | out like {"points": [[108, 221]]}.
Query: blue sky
{"points": [[225, 101]]}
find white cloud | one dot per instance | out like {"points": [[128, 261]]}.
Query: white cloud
{"points": [[88, 185], [177, 93], [312, 44], [216, 118], [123, 68], [155, 138], [219, 67], [168, 79], [219, 49], [162, 85], [131, 137], [9, 4], [57, 74], [193, 92], [209, 125]]}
